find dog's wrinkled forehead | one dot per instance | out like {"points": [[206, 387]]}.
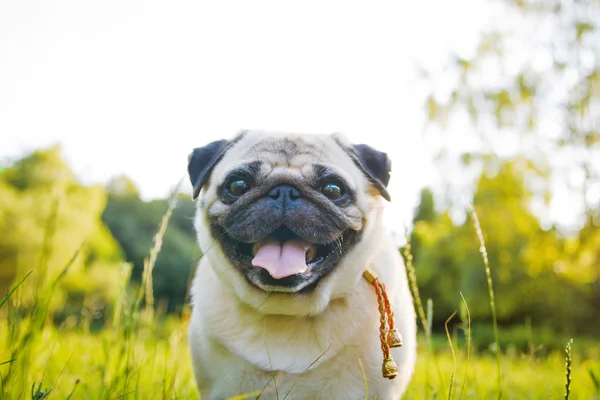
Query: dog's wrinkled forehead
{"points": [[292, 152]]}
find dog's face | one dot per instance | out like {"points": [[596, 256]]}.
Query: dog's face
{"points": [[285, 209]]}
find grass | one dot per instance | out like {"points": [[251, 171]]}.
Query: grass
{"points": [[490, 284], [68, 361], [569, 359], [525, 377], [143, 355]]}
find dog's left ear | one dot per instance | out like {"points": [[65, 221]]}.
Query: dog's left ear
{"points": [[376, 165], [201, 162]]}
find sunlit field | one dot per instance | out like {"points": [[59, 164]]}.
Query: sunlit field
{"points": [[140, 354], [152, 362], [486, 112]]}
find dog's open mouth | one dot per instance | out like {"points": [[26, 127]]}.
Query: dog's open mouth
{"points": [[283, 253], [283, 261]]}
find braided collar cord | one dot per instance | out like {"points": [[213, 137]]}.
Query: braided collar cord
{"points": [[388, 334]]}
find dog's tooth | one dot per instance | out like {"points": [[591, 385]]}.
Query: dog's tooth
{"points": [[255, 249], [311, 254]]}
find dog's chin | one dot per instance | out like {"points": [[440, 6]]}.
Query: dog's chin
{"points": [[321, 260]]}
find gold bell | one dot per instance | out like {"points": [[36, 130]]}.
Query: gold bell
{"points": [[394, 339], [389, 369]]}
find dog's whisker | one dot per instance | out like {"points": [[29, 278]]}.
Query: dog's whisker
{"points": [[340, 245], [274, 372], [321, 155], [307, 368], [266, 299], [213, 244], [216, 240]]}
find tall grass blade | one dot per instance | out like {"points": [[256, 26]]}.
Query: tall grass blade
{"points": [[429, 317], [39, 394], [569, 360], [7, 296], [70, 395], [124, 395], [274, 374], [307, 368], [488, 273], [62, 371], [38, 316], [595, 377], [46, 249], [453, 355], [412, 279], [430, 342], [426, 320], [462, 389], [364, 375], [146, 286]]}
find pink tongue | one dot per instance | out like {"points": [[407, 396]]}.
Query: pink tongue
{"points": [[282, 260]]}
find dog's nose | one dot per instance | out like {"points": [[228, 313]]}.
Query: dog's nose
{"points": [[284, 192]]}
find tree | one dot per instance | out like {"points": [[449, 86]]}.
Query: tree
{"points": [[531, 88], [48, 222], [518, 119], [134, 223], [524, 260], [122, 186]]}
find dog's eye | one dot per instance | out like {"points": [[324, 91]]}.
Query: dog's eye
{"points": [[332, 191], [238, 187]]}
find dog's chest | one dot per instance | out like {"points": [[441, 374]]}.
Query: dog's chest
{"points": [[329, 356], [342, 376], [288, 343]]}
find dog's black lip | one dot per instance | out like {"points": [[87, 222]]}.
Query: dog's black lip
{"points": [[261, 279]]}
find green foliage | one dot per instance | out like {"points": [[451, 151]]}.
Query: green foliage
{"points": [[524, 259], [532, 83], [122, 186], [158, 366], [568, 368], [134, 222], [45, 217], [7, 296], [525, 377], [75, 327], [594, 374], [42, 169]]}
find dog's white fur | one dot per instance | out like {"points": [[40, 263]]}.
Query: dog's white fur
{"points": [[308, 346]]}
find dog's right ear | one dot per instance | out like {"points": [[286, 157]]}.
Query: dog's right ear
{"points": [[202, 161], [375, 164]]}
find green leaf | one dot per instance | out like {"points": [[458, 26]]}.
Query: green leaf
{"points": [[5, 299], [8, 362], [582, 28]]}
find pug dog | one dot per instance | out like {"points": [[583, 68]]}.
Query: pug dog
{"points": [[287, 224]]}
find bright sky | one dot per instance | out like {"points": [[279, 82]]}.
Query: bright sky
{"points": [[132, 86]]}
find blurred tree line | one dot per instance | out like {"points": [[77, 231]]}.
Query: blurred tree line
{"points": [[89, 236], [49, 221], [50, 224], [515, 128], [530, 89], [134, 223], [540, 276], [514, 124]]}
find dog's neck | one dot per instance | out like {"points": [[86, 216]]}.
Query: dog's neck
{"points": [[253, 331]]}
